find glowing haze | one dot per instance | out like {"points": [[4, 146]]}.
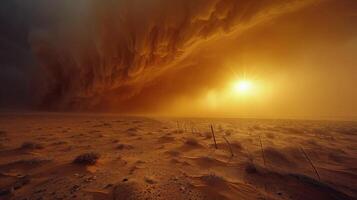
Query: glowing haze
{"points": [[286, 59]]}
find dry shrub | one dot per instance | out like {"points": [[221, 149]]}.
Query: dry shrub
{"points": [[31, 162], [191, 142], [87, 158], [250, 168], [213, 179], [237, 145], [207, 135], [229, 132], [270, 135], [31, 146], [133, 129], [124, 146], [173, 153]]}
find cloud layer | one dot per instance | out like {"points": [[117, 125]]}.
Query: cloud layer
{"points": [[90, 49], [146, 56]]}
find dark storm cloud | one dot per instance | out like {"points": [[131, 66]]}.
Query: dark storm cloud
{"points": [[15, 54], [89, 49]]}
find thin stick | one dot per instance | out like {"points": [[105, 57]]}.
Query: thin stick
{"points": [[250, 156], [214, 137], [198, 129], [178, 126], [230, 148], [312, 165], [261, 147]]}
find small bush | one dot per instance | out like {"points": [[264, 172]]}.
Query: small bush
{"points": [[124, 146], [132, 129], [87, 158], [2, 133], [237, 145], [207, 135], [191, 142], [228, 132], [250, 168], [31, 145], [213, 179], [270, 135]]}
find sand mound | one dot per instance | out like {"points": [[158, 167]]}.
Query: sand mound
{"points": [[192, 142], [8, 184], [126, 191], [124, 147], [277, 158], [208, 162], [173, 153], [322, 190], [214, 180], [235, 145], [159, 164], [133, 129], [166, 139], [218, 187], [24, 164], [31, 146], [298, 186]]}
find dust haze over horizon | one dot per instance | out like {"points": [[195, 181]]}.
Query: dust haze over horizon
{"points": [[181, 57]]}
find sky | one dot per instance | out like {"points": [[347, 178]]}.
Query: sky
{"points": [[181, 58]]}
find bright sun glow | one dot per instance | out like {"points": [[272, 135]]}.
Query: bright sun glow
{"points": [[242, 86]]}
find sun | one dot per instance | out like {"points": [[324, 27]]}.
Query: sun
{"points": [[242, 86]]}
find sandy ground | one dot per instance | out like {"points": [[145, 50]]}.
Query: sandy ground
{"points": [[157, 158]]}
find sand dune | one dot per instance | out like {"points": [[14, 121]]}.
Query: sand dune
{"points": [[114, 157]]}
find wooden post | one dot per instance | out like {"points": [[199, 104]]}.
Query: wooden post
{"points": [[261, 147], [229, 145], [214, 137], [312, 164]]}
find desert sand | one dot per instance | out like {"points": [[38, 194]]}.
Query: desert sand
{"points": [[175, 158]]}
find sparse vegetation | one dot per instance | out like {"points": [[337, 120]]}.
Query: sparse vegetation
{"points": [[31, 146], [237, 145], [124, 146], [228, 132], [250, 168], [132, 129], [187, 163], [207, 135], [270, 135], [191, 142], [31, 162], [213, 179], [87, 158]]}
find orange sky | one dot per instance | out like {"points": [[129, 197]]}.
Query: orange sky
{"points": [[303, 61], [182, 57]]}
